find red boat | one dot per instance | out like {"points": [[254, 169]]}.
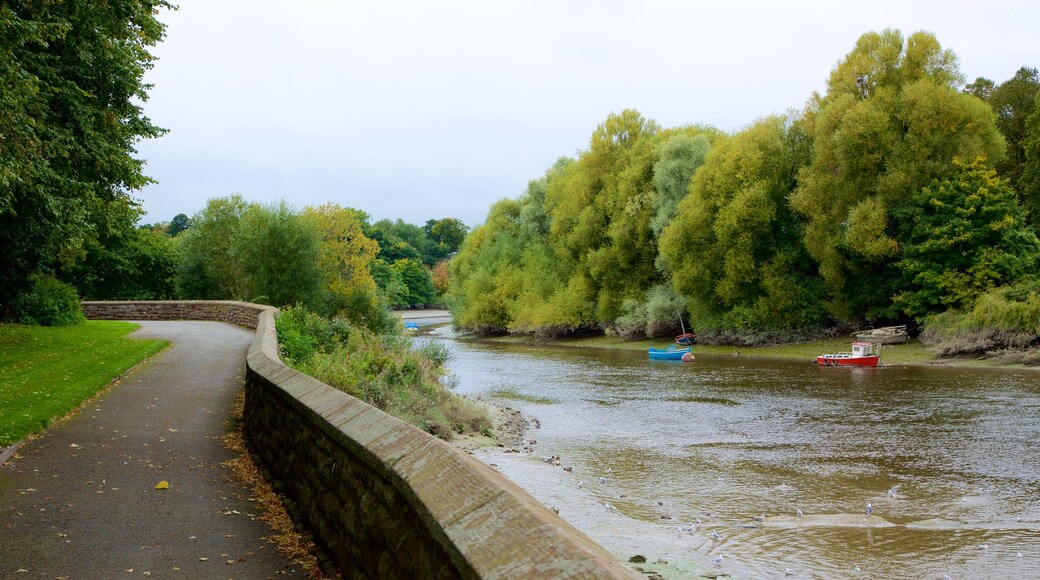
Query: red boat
{"points": [[686, 338], [864, 354]]}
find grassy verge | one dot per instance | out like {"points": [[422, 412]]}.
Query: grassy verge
{"points": [[912, 352], [46, 372]]}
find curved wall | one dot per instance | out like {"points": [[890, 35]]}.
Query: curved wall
{"points": [[383, 498]]}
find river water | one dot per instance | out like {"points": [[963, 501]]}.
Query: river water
{"points": [[948, 458]]}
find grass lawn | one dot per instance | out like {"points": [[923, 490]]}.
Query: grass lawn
{"points": [[45, 372]]}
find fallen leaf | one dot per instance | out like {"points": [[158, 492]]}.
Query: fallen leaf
{"points": [[162, 485], [74, 446], [203, 559], [20, 571], [229, 562], [129, 570]]}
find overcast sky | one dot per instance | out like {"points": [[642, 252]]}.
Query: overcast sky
{"points": [[420, 110]]}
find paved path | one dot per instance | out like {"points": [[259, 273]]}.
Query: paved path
{"points": [[81, 501]]}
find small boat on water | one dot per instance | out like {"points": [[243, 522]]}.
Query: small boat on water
{"points": [[883, 335], [411, 326], [686, 338], [671, 353], [864, 354]]}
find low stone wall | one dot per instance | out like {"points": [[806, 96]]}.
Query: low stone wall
{"points": [[384, 499], [240, 313]]}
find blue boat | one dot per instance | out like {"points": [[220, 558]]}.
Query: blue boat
{"points": [[671, 353]]}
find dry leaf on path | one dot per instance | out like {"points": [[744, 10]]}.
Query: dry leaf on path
{"points": [[162, 485]]}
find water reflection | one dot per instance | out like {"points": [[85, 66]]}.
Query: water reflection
{"points": [[728, 438]]}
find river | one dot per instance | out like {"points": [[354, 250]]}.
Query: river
{"points": [[948, 458]]}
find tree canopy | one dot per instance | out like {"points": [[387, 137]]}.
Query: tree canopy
{"points": [[71, 88], [831, 215]]}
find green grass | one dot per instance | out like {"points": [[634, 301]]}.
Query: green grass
{"points": [[46, 372]]}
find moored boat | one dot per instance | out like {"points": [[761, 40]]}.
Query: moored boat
{"points": [[671, 353], [883, 335], [864, 354], [686, 338]]}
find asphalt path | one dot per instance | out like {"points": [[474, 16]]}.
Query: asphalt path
{"points": [[81, 500]]}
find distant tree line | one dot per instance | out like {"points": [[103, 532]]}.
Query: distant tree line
{"points": [[894, 196]]}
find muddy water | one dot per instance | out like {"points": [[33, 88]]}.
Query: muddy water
{"points": [[948, 458]]}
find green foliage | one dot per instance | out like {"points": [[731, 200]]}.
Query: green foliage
{"points": [[129, 263], [386, 371], [178, 224], [47, 372], [1001, 321], [891, 122], [71, 88], [246, 251], [278, 251], [1029, 184], [417, 281], [735, 248], [681, 155], [208, 268], [775, 231], [1014, 102], [49, 302], [657, 315], [968, 237]]}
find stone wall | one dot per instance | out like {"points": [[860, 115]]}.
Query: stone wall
{"points": [[384, 499]]}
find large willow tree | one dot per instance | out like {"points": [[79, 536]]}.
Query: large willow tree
{"points": [[891, 122], [734, 248]]}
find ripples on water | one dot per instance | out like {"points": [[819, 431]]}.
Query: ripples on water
{"points": [[725, 439]]}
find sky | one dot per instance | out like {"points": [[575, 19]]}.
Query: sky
{"points": [[422, 110]]}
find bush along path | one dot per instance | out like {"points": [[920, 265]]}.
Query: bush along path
{"points": [[133, 484]]}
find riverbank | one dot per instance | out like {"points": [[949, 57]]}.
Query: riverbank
{"points": [[911, 353]]}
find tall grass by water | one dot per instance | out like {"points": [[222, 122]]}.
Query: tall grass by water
{"points": [[46, 372], [384, 370]]}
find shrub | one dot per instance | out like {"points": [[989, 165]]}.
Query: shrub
{"points": [[387, 371], [49, 302], [1001, 322]]}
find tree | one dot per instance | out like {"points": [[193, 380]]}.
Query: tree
{"points": [[981, 87], [178, 224], [347, 288], [1014, 101], [71, 88], [969, 236], [735, 248], [445, 237], [1029, 183], [278, 251], [417, 281], [680, 157], [891, 122], [208, 267]]}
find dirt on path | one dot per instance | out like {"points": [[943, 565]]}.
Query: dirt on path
{"points": [[81, 500]]}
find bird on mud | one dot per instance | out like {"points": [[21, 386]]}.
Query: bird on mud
{"points": [[894, 490], [715, 535], [799, 512], [870, 509], [718, 560]]}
